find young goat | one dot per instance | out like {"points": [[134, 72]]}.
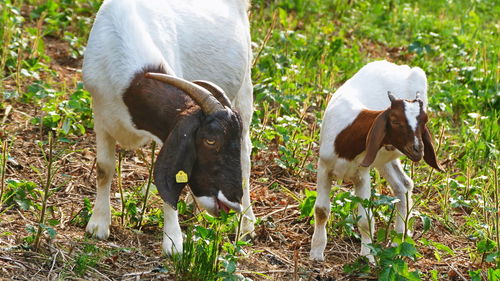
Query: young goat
{"points": [[205, 134], [366, 126]]}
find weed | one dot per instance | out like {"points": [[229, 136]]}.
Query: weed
{"points": [[88, 258], [45, 197], [304, 50], [202, 257]]}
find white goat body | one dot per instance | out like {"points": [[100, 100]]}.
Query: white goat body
{"points": [[189, 38], [367, 89], [362, 96], [195, 39]]}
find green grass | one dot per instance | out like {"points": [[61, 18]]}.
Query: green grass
{"points": [[303, 51]]}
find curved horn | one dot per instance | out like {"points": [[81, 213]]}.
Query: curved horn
{"points": [[217, 91], [391, 97], [208, 103]]}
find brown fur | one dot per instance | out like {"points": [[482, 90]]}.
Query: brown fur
{"points": [[352, 140], [373, 129], [101, 175], [321, 215], [154, 105], [170, 114]]}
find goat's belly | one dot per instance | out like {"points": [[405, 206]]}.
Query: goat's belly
{"points": [[348, 170]]}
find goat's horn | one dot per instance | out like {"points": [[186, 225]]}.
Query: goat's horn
{"points": [[391, 97], [216, 91], [208, 103]]}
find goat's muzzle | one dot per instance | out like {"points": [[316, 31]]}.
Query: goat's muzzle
{"points": [[414, 152]]}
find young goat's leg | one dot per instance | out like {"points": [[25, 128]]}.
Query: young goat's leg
{"points": [[321, 212], [99, 223], [172, 234], [244, 105], [366, 223], [402, 185]]}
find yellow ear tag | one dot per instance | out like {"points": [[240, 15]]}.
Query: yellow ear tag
{"points": [[181, 177]]}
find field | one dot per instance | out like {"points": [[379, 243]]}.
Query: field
{"points": [[303, 51]]}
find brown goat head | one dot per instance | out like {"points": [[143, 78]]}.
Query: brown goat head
{"points": [[201, 136], [402, 125]]}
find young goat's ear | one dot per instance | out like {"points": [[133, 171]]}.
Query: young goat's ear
{"points": [[375, 137], [429, 155], [176, 159]]}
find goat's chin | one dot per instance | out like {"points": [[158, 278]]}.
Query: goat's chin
{"points": [[209, 203], [414, 157], [214, 205]]}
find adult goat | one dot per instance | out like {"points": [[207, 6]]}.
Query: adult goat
{"points": [[203, 126]]}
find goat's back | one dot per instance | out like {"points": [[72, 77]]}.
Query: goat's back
{"points": [[368, 87], [195, 39]]}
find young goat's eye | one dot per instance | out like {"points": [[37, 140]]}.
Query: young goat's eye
{"points": [[210, 142]]}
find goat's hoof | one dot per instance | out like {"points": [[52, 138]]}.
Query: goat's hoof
{"points": [[369, 256], [371, 259], [171, 247], [247, 237], [98, 227], [316, 255]]}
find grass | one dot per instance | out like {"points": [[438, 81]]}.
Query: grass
{"points": [[303, 51]]}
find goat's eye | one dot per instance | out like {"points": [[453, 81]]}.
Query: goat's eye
{"points": [[210, 142]]}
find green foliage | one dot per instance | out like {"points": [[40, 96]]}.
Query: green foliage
{"points": [[307, 205], [312, 48], [22, 194], [203, 259], [89, 257], [83, 216], [438, 248]]}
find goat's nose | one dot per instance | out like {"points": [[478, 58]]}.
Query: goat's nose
{"points": [[416, 148]]}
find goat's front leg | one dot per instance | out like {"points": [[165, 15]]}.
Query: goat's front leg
{"points": [[321, 212], [366, 222], [100, 220], [172, 234], [402, 185], [244, 105]]}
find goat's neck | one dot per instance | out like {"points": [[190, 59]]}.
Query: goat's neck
{"points": [[156, 107]]}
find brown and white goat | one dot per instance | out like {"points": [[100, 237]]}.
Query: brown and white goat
{"points": [[204, 132], [365, 126]]}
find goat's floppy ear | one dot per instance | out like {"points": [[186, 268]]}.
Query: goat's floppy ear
{"points": [[176, 159], [375, 137], [429, 155]]}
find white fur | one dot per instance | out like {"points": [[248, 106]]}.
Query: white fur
{"points": [[233, 205], [195, 40], [367, 89], [412, 110], [208, 203], [172, 234]]}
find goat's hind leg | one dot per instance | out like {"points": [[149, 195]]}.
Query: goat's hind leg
{"points": [[402, 185], [321, 212], [98, 225]]}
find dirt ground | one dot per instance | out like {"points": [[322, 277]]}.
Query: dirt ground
{"points": [[279, 250]]}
